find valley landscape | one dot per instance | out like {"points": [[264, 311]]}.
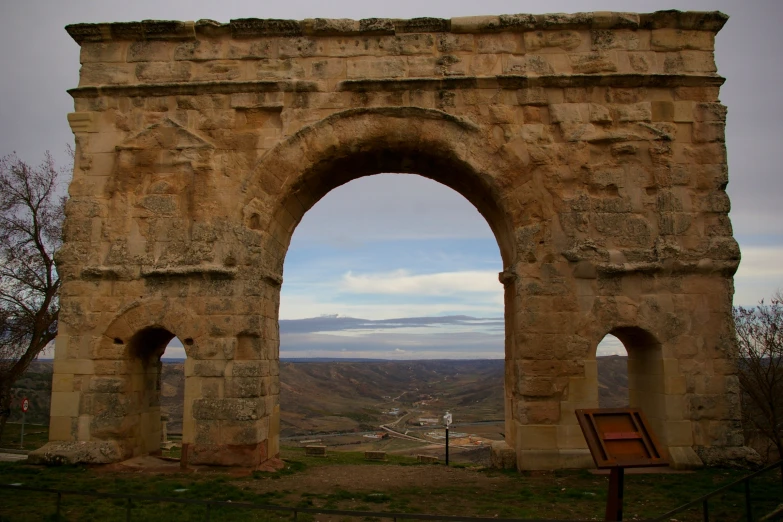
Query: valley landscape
{"points": [[356, 396]]}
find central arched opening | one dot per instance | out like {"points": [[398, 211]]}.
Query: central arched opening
{"points": [[357, 144], [391, 314]]}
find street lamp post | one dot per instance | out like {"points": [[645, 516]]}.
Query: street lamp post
{"points": [[447, 421]]}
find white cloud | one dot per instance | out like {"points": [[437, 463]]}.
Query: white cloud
{"points": [[403, 282], [760, 274], [392, 354], [611, 345], [302, 307], [761, 262]]}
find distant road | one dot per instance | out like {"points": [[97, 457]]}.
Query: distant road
{"points": [[477, 423], [397, 434], [12, 457]]}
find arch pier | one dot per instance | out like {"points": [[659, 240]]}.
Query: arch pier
{"points": [[593, 145]]}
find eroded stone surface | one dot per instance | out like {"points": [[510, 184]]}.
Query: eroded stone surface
{"points": [[592, 143], [76, 452]]}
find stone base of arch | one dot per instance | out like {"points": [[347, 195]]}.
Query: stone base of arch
{"points": [[77, 452], [234, 455]]}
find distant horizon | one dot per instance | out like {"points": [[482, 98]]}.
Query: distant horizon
{"points": [[354, 359], [431, 337]]}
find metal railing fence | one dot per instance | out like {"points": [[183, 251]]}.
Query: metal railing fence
{"points": [[704, 502], [294, 512]]}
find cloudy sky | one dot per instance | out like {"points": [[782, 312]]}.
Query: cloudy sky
{"points": [[401, 246]]}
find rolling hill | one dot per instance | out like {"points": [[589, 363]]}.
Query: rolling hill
{"points": [[334, 395]]}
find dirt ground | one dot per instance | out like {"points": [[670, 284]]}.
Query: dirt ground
{"points": [[347, 482], [327, 479]]}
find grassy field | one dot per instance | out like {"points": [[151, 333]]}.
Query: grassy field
{"points": [[35, 436], [309, 482]]}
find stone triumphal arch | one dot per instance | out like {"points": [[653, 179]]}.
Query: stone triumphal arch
{"points": [[593, 144]]}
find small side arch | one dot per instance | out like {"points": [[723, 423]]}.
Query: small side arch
{"points": [[150, 321], [646, 373], [125, 393]]}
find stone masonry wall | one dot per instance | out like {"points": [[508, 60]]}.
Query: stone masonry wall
{"points": [[592, 143]]}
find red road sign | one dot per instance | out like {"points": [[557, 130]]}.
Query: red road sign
{"points": [[25, 405]]}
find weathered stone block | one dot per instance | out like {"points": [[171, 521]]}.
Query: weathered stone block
{"points": [[662, 111], [199, 50], [683, 457], [529, 64], [532, 96], [219, 70], [374, 455], [328, 68], [209, 368], [82, 452], [709, 112], [600, 114], [569, 113], [689, 61], [498, 43], [391, 67], [415, 44], [74, 366], [315, 451], [426, 459], [105, 74], [593, 63], [706, 132], [449, 42], [150, 51], [678, 39], [502, 455], [61, 428], [618, 39], [565, 40], [65, 404], [97, 52], [634, 112], [234, 409], [159, 72], [252, 49], [108, 385], [244, 387]]}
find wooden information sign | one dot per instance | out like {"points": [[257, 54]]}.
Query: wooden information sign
{"points": [[619, 438]]}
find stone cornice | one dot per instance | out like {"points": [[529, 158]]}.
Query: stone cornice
{"points": [[216, 271], [522, 82], [254, 27], [394, 84], [193, 88]]}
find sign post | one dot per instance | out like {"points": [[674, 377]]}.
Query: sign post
{"points": [[619, 438], [25, 407], [447, 422]]}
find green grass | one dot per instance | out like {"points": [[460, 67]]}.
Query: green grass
{"points": [[35, 436], [174, 453], [489, 493]]}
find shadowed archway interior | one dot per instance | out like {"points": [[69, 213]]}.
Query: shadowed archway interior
{"points": [[145, 349]]}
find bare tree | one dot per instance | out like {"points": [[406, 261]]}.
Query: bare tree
{"points": [[31, 217], [760, 341]]}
